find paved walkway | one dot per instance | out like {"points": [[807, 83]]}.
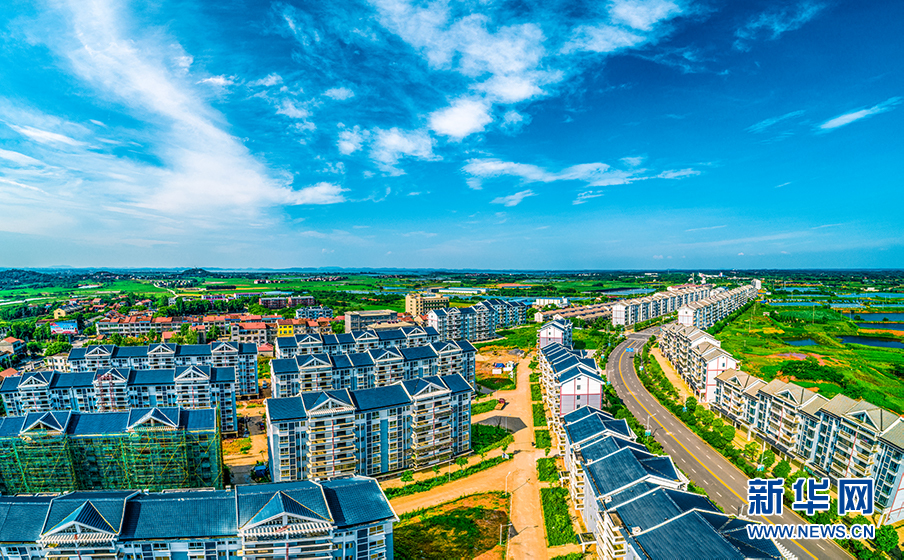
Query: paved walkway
{"points": [[683, 390], [518, 476]]}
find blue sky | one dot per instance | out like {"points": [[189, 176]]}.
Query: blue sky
{"points": [[482, 134]]}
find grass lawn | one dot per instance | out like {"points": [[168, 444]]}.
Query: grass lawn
{"points": [[463, 528], [542, 439], [497, 383], [481, 407], [760, 343], [524, 337], [559, 529], [535, 394], [539, 415], [486, 437], [546, 470]]}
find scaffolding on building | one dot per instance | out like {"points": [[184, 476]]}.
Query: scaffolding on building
{"points": [[156, 458], [40, 461]]}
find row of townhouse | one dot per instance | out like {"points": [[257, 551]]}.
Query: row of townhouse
{"points": [[556, 331], [241, 357], [697, 356], [635, 310], [155, 448], [373, 368], [636, 504], [354, 341], [585, 312], [360, 320], [348, 519], [142, 325], [835, 438], [720, 304], [313, 312], [328, 434], [477, 322], [280, 302], [291, 327], [110, 389], [568, 381]]}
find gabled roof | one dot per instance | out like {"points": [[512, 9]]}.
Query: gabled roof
{"points": [[175, 515], [85, 515], [626, 467], [50, 421], [153, 417], [356, 501], [105, 514], [282, 504], [21, 518], [250, 500]]}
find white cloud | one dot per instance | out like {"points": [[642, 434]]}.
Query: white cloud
{"points": [[45, 137], [657, 257], [391, 145], [350, 139], [601, 38], [594, 174], [706, 228], [677, 173], [339, 93], [219, 81], [19, 159], [269, 80], [764, 124], [585, 196], [643, 14], [321, 193], [290, 109], [633, 161], [513, 199], [848, 118], [740, 254], [462, 118], [774, 23]]}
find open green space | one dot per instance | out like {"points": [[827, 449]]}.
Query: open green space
{"points": [[524, 337], [451, 475], [542, 440], [485, 437], [759, 338], [539, 415], [481, 407], [464, 528], [559, 528], [546, 470]]}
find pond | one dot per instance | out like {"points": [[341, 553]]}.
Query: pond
{"points": [[794, 303], [873, 341], [876, 294], [801, 342], [880, 316], [628, 292], [888, 326]]}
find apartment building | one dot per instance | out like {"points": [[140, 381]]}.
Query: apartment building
{"points": [[568, 381], [721, 303], [355, 341], [555, 332], [478, 322], [628, 312], [348, 519], [13, 345], [112, 389], [253, 332], [697, 357], [143, 325], [588, 313], [420, 303], [242, 357], [313, 312], [410, 424], [373, 368], [636, 504], [155, 448], [835, 438], [281, 302], [360, 320], [544, 302]]}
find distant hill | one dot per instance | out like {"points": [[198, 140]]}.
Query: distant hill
{"points": [[16, 278], [196, 273]]}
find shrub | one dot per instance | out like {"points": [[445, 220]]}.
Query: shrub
{"points": [[485, 438], [535, 394], [542, 439], [546, 470], [559, 529], [485, 406], [539, 415]]}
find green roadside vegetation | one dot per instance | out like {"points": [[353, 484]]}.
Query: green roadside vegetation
{"points": [[539, 415], [535, 394], [481, 407], [559, 528], [546, 470], [542, 440], [759, 338], [464, 528], [570, 556], [440, 479], [497, 383], [485, 438]]}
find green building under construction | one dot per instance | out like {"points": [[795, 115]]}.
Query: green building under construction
{"points": [[141, 448]]}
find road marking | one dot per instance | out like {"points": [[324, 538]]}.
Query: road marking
{"points": [[621, 374]]}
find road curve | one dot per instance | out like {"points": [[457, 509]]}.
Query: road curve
{"points": [[725, 484]]}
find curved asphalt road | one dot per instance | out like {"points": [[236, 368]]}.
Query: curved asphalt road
{"points": [[725, 484]]}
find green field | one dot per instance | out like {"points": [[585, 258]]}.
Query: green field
{"points": [[524, 337], [758, 338]]}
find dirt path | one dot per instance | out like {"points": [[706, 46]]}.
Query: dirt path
{"points": [[518, 476]]}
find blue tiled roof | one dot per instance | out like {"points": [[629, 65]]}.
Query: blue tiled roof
{"points": [[10, 384], [109, 504], [361, 359], [99, 423], [152, 377], [286, 342], [313, 399], [735, 532], [251, 499], [625, 467], [287, 408], [418, 353], [283, 365], [356, 501], [174, 515], [21, 518], [87, 515], [606, 446], [11, 426], [391, 334], [198, 419], [578, 414], [628, 494], [380, 397], [658, 506], [456, 383], [282, 503], [687, 536]]}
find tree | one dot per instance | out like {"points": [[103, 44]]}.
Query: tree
{"points": [[691, 404], [338, 327], [407, 476], [462, 462], [435, 469], [750, 450], [33, 348], [705, 417], [782, 469], [213, 333], [728, 433], [767, 458], [886, 538]]}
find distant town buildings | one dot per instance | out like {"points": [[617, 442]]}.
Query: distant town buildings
{"points": [[321, 435], [281, 302], [545, 302], [153, 448], [114, 389], [313, 312], [12, 346], [628, 312], [340, 519], [478, 322], [418, 304], [588, 313], [242, 357], [360, 320]]}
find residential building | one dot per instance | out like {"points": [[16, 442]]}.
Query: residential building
{"points": [[154, 448], [313, 312], [410, 424], [280, 302], [568, 381], [111, 389], [355, 341], [13, 345], [334, 520], [462, 291], [373, 368], [360, 320], [66, 310], [253, 333], [242, 357], [588, 313], [477, 322], [697, 357], [721, 303], [544, 302], [420, 303], [557, 331], [628, 312]]}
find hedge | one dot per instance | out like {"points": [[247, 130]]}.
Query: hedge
{"points": [[559, 529], [546, 470], [539, 415], [438, 480]]}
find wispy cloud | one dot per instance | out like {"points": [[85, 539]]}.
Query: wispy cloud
{"points": [[765, 124], [219, 81], [45, 136], [775, 22], [513, 199], [782, 185], [706, 228], [389, 146], [339, 93], [853, 116], [19, 159]]}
